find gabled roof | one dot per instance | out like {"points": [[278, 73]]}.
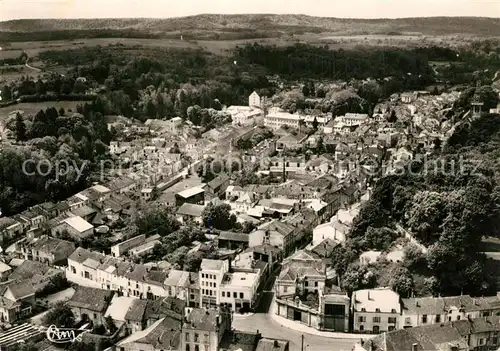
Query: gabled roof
{"points": [[51, 245], [218, 181], [91, 299], [136, 310], [188, 209], [20, 289], [202, 319], [164, 334]]}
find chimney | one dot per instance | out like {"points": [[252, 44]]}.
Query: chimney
{"points": [[414, 347]]}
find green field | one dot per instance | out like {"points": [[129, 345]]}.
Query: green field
{"points": [[30, 108]]}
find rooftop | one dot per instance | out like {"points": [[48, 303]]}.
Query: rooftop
{"points": [[240, 279], [202, 319], [78, 223], [211, 265], [91, 299], [191, 192], [383, 299], [191, 210]]}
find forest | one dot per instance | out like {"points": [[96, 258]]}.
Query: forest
{"points": [[448, 203]]}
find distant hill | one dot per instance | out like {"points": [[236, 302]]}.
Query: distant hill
{"points": [[282, 24]]}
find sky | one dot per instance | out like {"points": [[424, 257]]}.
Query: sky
{"points": [[23, 9]]}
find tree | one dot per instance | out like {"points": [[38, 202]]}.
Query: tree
{"points": [[157, 220], [315, 124], [218, 217], [110, 324], [413, 257], [20, 128], [401, 281], [5, 93], [437, 144], [358, 277], [192, 262], [60, 316], [392, 118]]}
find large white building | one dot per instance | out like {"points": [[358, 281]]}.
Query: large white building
{"points": [[353, 119], [218, 285], [277, 118], [375, 310], [244, 115]]}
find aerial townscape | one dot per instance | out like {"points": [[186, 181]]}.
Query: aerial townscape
{"points": [[250, 183]]}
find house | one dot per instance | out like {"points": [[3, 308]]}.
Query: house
{"points": [[177, 284], [211, 275], [431, 310], [38, 274], [16, 301], [301, 274], [122, 185], [232, 241], [319, 164], [375, 310], [275, 233], [96, 270], [169, 306], [164, 334], [9, 228], [76, 227], [134, 316], [217, 187], [244, 115], [234, 191], [190, 213], [334, 310], [48, 250], [332, 230], [238, 290], [205, 327], [290, 142], [90, 304], [5, 271], [432, 337], [195, 195], [287, 165], [118, 309], [121, 248], [254, 100]]}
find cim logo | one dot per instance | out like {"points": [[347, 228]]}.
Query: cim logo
{"points": [[65, 335]]}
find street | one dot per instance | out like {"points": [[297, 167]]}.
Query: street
{"points": [[264, 323], [268, 327]]}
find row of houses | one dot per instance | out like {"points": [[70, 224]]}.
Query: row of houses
{"points": [[218, 281], [472, 334], [163, 324]]}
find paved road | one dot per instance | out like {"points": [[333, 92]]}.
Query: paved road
{"points": [[268, 327], [264, 323]]}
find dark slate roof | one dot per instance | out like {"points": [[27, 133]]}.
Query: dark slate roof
{"points": [[136, 310], [91, 299]]}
